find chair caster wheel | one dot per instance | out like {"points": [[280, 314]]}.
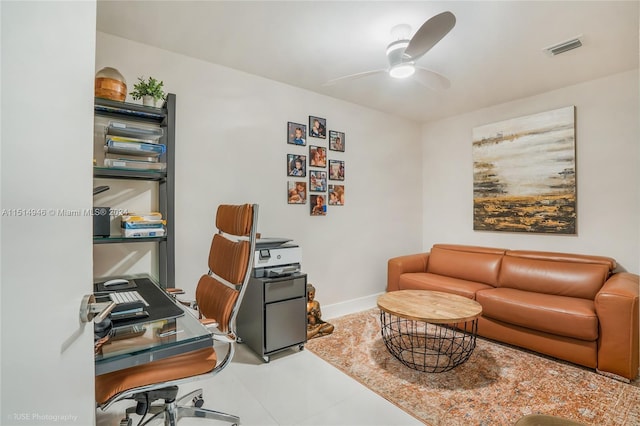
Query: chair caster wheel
{"points": [[198, 401], [126, 422], [301, 347]]}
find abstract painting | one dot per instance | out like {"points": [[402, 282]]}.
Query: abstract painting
{"points": [[524, 174]]}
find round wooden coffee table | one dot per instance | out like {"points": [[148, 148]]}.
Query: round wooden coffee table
{"points": [[429, 331]]}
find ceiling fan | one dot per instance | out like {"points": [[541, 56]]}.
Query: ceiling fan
{"points": [[402, 53]]}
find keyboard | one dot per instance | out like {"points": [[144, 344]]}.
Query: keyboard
{"points": [[121, 297]]}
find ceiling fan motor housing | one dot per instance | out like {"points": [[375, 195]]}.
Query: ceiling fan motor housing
{"points": [[395, 52]]}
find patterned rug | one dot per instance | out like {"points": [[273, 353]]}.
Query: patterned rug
{"points": [[496, 386]]}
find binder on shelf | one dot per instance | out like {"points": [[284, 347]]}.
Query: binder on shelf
{"points": [[118, 163], [153, 159], [118, 128], [129, 139], [119, 144]]}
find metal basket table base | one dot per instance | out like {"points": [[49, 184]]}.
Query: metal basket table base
{"points": [[428, 347]]}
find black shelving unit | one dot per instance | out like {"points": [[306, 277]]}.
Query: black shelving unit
{"points": [[165, 118]]}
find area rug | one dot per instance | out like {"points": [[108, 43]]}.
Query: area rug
{"points": [[496, 386]]}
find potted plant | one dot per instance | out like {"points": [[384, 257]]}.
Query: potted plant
{"points": [[150, 91]]}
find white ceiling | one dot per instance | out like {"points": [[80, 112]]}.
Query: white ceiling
{"points": [[493, 54]]}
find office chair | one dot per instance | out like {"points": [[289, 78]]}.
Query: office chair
{"points": [[218, 297]]}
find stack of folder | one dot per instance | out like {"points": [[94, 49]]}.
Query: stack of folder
{"points": [[143, 225], [136, 148]]}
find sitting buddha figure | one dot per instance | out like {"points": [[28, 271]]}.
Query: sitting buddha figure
{"points": [[315, 326]]}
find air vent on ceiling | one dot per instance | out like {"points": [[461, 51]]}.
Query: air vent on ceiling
{"points": [[565, 46]]}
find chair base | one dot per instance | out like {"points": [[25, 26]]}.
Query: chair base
{"points": [[172, 411]]}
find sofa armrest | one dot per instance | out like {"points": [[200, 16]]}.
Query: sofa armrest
{"points": [[399, 265], [616, 305]]}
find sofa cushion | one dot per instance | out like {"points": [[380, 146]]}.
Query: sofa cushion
{"points": [[561, 315], [564, 257], [562, 278], [427, 281], [480, 264]]}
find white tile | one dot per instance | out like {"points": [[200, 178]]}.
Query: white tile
{"points": [[294, 388], [295, 385], [365, 408]]}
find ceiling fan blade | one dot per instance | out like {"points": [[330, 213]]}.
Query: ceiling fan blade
{"points": [[431, 79], [430, 33], [353, 77]]}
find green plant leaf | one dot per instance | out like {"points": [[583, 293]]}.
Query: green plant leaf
{"points": [[149, 87]]}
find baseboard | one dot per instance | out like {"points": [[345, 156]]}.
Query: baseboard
{"points": [[349, 307]]}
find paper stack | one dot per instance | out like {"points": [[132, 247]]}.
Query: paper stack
{"points": [[143, 225]]}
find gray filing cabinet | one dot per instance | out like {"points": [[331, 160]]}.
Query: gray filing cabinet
{"points": [[273, 314]]}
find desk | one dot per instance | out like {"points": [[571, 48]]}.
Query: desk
{"points": [[152, 340]]}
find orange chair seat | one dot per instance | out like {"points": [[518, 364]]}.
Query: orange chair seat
{"points": [[178, 367]]}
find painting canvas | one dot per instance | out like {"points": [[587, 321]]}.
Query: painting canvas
{"points": [[524, 174]]}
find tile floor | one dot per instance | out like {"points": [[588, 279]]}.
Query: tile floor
{"points": [[294, 388]]}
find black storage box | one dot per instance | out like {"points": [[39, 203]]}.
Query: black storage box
{"points": [[101, 224]]}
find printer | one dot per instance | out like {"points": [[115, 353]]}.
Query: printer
{"points": [[276, 257]]}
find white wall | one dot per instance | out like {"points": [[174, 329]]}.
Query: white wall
{"points": [[47, 112], [608, 172], [231, 148]]}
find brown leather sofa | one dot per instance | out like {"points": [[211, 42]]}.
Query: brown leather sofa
{"points": [[568, 306]]}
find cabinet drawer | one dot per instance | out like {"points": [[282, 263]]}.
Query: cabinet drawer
{"points": [[286, 324], [285, 289]]}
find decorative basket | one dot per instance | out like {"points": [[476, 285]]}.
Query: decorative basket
{"points": [[110, 84]]}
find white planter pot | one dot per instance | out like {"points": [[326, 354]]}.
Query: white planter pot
{"points": [[148, 100]]}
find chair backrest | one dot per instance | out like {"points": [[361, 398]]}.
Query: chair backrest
{"points": [[220, 292]]}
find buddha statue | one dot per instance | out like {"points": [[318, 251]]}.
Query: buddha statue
{"points": [[316, 327]]}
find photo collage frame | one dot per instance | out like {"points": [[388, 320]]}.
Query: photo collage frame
{"points": [[315, 170]]}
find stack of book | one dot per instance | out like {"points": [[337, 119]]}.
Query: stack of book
{"points": [[137, 148], [143, 225]]}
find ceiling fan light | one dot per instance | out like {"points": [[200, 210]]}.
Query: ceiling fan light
{"points": [[402, 70]]}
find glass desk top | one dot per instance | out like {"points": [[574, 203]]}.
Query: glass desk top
{"points": [[142, 342]]}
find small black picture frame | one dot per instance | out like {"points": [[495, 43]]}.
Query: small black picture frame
{"points": [[317, 127], [318, 205], [317, 181], [336, 141], [317, 156], [336, 195], [297, 192], [336, 170], [296, 165], [296, 133]]}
